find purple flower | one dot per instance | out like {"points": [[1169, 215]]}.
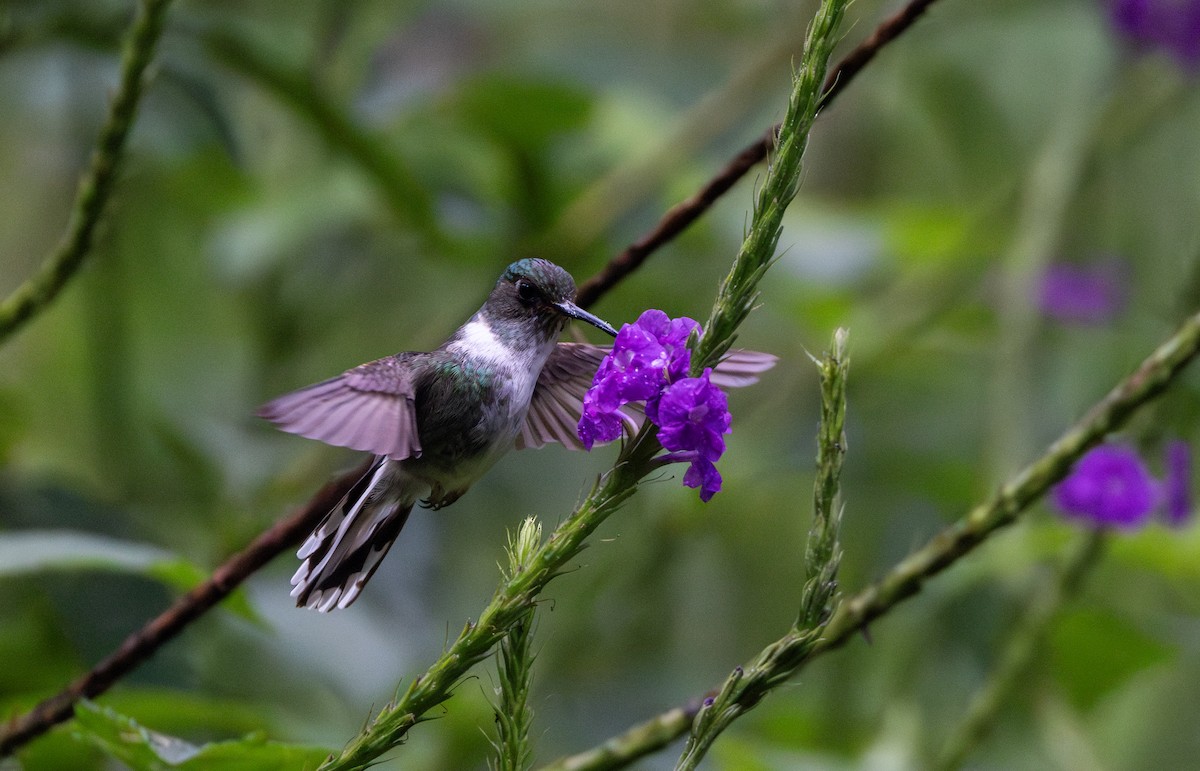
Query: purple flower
{"points": [[693, 417], [1178, 483], [646, 356], [1087, 294], [703, 474], [1110, 487], [1170, 25], [649, 362], [596, 425]]}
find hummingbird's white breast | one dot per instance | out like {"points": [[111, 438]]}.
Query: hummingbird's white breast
{"points": [[519, 366]]}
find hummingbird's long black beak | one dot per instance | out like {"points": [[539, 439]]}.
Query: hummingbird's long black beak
{"points": [[571, 310]]}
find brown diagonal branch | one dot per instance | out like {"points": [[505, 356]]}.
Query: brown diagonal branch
{"points": [[684, 213], [140, 645]]}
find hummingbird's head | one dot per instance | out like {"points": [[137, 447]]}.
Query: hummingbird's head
{"points": [[538, 291]]}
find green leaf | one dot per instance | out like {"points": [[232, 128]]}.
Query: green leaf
{"points": [[145, 750], [187, 711], [34, 551], [1096, 652]]}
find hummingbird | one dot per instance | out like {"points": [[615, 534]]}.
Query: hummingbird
{"points": [[436, 421]]}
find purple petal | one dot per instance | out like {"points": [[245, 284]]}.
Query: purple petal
{"points": [[693, 414], [596, 425], [1132, 18], [1172, 26], [1178, 483], [646, 356], [704, 475]]}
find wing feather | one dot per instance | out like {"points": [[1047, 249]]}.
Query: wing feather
{"points": [[741, 368], [367, 408]]}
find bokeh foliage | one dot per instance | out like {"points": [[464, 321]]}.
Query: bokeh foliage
{"points": [[313, 185]]}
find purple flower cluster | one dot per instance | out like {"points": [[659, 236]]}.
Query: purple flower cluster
{"points": [[649, 363], [692, 416], [1083, 293], [1111, 487], [1171, 25]]}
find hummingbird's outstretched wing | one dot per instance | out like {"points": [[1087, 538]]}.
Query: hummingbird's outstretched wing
{"points": [[739, 369], [367, 408], [557, 402]]}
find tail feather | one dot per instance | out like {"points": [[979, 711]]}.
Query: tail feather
{"points": [[345, 550]]}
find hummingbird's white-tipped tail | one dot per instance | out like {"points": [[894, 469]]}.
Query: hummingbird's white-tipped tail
{"points": [[344, 551]]}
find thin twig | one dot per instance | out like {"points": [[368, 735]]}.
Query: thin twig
{"points": [[748, 685], [140, 645], [96, 185], [639, 741], [907, 578], [679, 217]]}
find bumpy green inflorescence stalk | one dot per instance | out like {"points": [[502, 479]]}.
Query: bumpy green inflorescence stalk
{"points": [[98, 182], [513, 715], [738, 293], [747, 686], [823, 554], [511, 602]]}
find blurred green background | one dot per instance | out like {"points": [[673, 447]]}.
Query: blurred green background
{"points": [[312, 185]]}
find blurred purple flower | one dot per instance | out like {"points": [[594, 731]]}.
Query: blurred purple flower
{"points": [[1088, 294], [1111, 487], [1171, 25], [1178, 483], [649, 362], [693, 417]]}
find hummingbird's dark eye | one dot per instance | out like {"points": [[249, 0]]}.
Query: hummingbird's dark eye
{"points": [[527, 292]]}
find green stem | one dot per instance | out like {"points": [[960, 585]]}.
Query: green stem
{"points": [[639, 741], [747, 686], [738, 293], [97, 183], [823, 553], [735, 299], [513, 715], [1020, 651], [906, 579]]}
